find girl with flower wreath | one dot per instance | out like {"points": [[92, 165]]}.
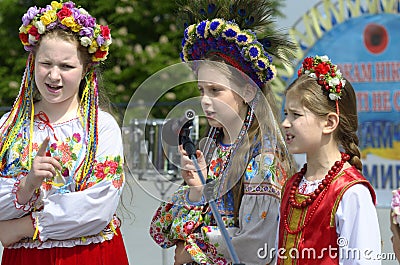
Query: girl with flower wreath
{"points": [[326, 205], [247, 161], [61, 157]]}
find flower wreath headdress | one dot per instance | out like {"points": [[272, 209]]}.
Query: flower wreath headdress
{"points": [[36, 23], [326, 73], [228, 29]]}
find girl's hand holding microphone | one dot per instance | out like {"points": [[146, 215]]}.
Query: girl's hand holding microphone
{"points": [[43, 167], [190, 175]]}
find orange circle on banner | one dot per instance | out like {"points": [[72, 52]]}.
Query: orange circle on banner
{"points": [[375, 38]]}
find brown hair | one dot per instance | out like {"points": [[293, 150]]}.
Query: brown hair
{"points": [[314, 98]]}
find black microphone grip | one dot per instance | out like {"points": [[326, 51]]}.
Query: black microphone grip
{"points": [[173, 129]]}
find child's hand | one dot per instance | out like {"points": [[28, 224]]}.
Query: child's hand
{"points": [[12, 231], [181, 255], [190, 175], [43, 167]]}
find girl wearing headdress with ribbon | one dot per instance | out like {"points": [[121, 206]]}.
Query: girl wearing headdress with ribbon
{"points": [[244, 158], [326, 205], [61, 157]]}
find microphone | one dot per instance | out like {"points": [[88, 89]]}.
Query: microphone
{"points": [[174, 128]]}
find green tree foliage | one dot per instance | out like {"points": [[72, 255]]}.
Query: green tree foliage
{"points": [[146, 38]]}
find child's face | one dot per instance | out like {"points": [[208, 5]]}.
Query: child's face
{"points": [[58, 71], [302, 128], [222, 106]]}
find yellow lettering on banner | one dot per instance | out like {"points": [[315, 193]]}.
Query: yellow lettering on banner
{"points": [[313, 20], [354, 7], [373, 6], [309, 29], [330, 8], [316, 21], [390, 6]]}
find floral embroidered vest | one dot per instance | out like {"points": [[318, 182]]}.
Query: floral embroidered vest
{"points": [[313, 240]]}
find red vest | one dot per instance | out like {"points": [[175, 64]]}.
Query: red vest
{"points": [[314, 240]]}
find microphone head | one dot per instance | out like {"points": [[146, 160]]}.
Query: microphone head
{"points": [[190, 114]]}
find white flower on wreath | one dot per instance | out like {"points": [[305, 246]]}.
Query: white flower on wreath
{"points": [[83, 11], [313, 75], [86, 41], [32, 40], [333, 82], [333, 96], [40, 26], [323, 58]]}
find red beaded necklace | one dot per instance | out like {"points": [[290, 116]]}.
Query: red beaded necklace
{"points": [[319, 192]]}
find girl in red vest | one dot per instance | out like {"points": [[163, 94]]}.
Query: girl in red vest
{"points": [[326, 205]]}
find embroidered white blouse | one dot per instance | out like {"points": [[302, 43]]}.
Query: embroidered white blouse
{"points": [[63, 216]]}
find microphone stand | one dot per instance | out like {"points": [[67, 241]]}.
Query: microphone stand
{"points": [[189, 147]]}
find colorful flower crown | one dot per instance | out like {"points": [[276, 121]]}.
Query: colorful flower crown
{"points": [[227, 38], [37, 21], [326, 73]]}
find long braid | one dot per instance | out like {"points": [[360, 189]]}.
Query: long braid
{"points": [[348, 125], [350, 145]]}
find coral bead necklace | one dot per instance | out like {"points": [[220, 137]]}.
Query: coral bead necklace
{"points": [[318, 193]]}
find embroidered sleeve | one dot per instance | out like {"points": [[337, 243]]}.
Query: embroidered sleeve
{"points": [[87, 212], [10, 177], [175, 220], [27, 207]]}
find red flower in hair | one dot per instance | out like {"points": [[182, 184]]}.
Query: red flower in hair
{"points": [[100, 54], [34, 32], [24, 38], [322, 69], [299, 72], [327, 75], [63, 13], [308, 63], [105, 32]]}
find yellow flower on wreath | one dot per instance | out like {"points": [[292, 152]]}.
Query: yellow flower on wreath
{"points": [[70, 23], [48, 17], [56, 5]]}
